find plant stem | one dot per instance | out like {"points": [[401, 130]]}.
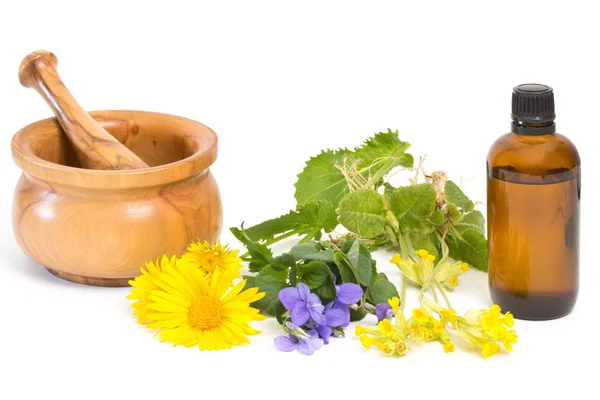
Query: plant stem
{"points": [[286, 235], [403, 292], [434, 294], [310, 235], [443, 292]]}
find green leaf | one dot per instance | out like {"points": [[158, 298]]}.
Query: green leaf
{"points": [[456, 196], [381, 148], [271, 282], [437, 218], [363, 212], [318, 277], [347, 273], [283, 262], [469, 246], [321, 180], [308, 217], [260, 255], [360, 259], [473, 220], [412, 205], [311, 251], [357, 315], [381, 290]]}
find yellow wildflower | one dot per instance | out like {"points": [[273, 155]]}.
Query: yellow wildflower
{"points": [[508, 338], [420, 316], [489, 349], [190, 311], [366, 341], [397, 259], [424, 254], [448, 346], [386, 327], [449, 315], [508, 319], [209, 257], [437, 327], [360, 330], [453, 281], [464, 267], [144, 284], [394, 303], [388, 348], [401, 347]]}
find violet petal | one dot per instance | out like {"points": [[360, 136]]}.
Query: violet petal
{"points": [[300, 314], [381, 310], [289, 297], [350, 293], [287, 343], [317, 316], [337, 317], [325, 333], [303, 292]]}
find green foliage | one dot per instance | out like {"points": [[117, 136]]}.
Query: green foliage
{"points": [[412, 206], [456, 196], [319, 278], [469, 246], [271, 282], [363, 212], [381, 290]]}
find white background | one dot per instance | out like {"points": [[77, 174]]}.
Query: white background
{"points": [[278, 81]]}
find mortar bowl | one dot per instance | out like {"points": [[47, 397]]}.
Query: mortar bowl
{"points": [[99, 227]]}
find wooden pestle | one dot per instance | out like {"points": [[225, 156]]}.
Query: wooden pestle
{"points": [[94, 146]]}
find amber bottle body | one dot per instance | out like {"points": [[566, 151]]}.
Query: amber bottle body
{"points": [[534, 187]]}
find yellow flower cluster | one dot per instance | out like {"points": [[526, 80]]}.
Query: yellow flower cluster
{"points": [[193, 300], [392, 338], [486, 329], [420, 272], [480, 329]]}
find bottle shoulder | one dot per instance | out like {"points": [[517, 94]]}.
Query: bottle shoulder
{"points": [[534, 155]]}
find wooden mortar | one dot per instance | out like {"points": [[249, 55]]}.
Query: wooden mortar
{"points": [[99, 227]]}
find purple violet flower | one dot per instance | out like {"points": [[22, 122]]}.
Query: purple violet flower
{"points": [[306, 342], [335, 317], [302, 304], [347, 294], [383, 311]]}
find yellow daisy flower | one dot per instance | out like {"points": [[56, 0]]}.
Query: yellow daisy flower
{"points": [[208, 258], [146, 283], [191, 311]]}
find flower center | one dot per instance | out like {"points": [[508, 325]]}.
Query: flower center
{"points": [[206, 313]]}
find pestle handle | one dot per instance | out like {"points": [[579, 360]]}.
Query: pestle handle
{"points": [[94, 146]]}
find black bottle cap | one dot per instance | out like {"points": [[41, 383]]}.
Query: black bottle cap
{"points": [[533, 109]]}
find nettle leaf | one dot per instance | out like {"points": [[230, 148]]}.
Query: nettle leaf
{"points": [[319, 278], [412, 205], [311, 216], [321, 180], [381, 290], [363, 212], [360, 260], [311, 251], [473, 220], [469, 246], [381, 148], [260, 255], [271, 282], [455, 196]]}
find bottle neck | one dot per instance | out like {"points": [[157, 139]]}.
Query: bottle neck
{"points": [[526, 128]]}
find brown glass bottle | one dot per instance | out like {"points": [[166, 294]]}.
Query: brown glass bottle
{"points": [[533, 196]]}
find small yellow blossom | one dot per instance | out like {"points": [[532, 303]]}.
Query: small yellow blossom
{"points": [[448, 346], [464, 267], [424, 254], [394, 303], [508, 319], [453, 281], [397, 259], [360, 330], [401, 347], [449, 316], [386, 327], [420, 316], [489, 349], [366, 341], [388, 348], [437, 328]]}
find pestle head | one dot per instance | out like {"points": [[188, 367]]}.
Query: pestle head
{"points": [[27, 70]]}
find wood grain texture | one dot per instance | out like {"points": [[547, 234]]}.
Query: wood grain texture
{"points": [[94, 147], [99, 227]]}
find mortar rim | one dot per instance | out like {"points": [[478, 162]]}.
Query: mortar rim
{"points": [[159, 175]]}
